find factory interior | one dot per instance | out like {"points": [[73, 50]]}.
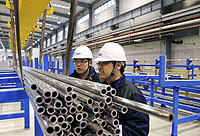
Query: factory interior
{"points": [[147, 85]]}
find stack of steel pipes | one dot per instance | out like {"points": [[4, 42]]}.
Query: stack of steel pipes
{"points": [[70, 106]]}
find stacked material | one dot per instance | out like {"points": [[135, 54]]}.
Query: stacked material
{"points": [[70, 106]]}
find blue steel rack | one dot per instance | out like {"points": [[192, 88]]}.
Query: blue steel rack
{"points": [[176, 85], [11, 90]]}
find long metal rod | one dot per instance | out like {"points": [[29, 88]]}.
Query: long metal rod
{"points": [[62, 86], [42, 36], [70, 35], [84, 84], [13, 42], [16, 7], [163, 114]]}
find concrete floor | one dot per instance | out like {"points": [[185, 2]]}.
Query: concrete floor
{"points": [[158, 127]]}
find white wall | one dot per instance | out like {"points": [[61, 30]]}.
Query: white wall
{"points": [[127, 5], [103, 16]]}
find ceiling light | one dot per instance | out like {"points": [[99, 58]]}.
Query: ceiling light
{"points": [[68, 13], [58, 22], [38, 40], [45, 33], [51, 28]]}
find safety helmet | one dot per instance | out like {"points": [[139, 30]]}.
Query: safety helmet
{"points": [[111, 52], [82, 52]]}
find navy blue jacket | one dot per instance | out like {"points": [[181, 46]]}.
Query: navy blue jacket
{"points": [[134, 123], [92, 74]]}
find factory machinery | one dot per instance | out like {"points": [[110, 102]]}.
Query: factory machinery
{"points": [[69, 106]]}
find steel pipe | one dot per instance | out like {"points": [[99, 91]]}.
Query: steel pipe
{"points": [[87, 85], [57, 128], [162, 114]]}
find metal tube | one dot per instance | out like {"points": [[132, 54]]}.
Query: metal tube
{"points": [[70, 119], [40, 110], [85, 115], [83, 124], [162, 114], [38, 99], [96, 128], [119, 107], [72, 110], [46, 87], [63, 110], [53, 119], [62, 86], [77, 130], [87, 85], [57, 128], [64, 125], [79, 117], [112, 130], [58, 104], [50, 110], [47, 101], [61, 119], [46, 127]]}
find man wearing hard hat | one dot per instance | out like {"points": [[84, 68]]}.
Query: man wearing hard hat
{"points": [[112, 61], [83, 65]]}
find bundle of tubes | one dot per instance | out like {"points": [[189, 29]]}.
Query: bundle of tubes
{"points": [[70, 106]]}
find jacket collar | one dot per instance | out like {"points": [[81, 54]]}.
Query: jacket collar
{"points": [[117, 83], [92, 73]]}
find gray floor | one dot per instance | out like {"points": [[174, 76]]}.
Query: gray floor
{"points": [[158, 127]]}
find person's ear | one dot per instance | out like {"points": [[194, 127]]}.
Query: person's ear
{"points": [[90, 62], [119, 65]]}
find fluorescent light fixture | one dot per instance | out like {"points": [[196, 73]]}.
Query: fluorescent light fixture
{"points": [[58, 22], [2, 44], [60, 6]]}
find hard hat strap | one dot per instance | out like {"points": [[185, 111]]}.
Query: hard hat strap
{"points": [[113, 72]]}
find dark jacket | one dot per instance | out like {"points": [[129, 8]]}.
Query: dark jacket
{"points": [[92, 74], [133, 123]]}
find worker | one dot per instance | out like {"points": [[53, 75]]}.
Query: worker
{"points": [[111, 62], [83, 65]]}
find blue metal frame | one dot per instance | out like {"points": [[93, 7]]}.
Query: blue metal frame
{"points": [[17, 95], [188, 66], [176, 85]]}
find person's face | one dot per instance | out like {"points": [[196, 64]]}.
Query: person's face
{"points": [[81, 65], [105, 69]]}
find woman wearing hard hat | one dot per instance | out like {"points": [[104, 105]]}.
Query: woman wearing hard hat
{"points": [[83, 65], [112, 61]]}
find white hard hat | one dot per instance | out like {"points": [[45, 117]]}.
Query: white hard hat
{"points": [[111, 52], [82, 52]]}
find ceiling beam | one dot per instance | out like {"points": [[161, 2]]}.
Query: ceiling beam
{"points": [[3, 2], [81, 4], [61, 14], [4, 14]]}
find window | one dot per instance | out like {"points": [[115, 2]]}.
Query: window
{"points": [[60, 35], [48, 42], [82, 19], [66, 31], [53, 39], [44, 44], [104, 6]]}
